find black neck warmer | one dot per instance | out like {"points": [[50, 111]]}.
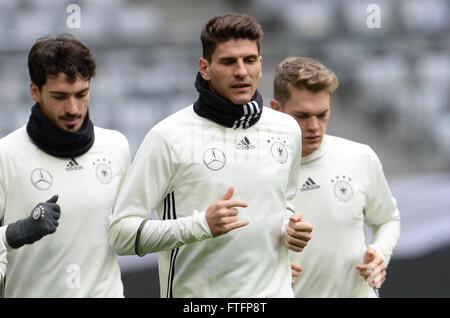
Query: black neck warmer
{"points": [[222, 111], [58, 142]]}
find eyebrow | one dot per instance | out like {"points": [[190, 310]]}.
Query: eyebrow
{"points": [[65, 93], [310, 114], [232, 58], [227, 58]]}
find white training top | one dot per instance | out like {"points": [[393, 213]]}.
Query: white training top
{"points": [[342, 188], [186, 163], [76, 260], [3, 261]]}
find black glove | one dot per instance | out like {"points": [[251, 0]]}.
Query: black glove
{"points": [[42, 221]]}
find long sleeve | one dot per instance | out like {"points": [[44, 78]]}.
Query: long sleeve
{"points": [[293, 181], [148, 181], [294, 175], [6, 172], [3, 261], [382, 214]]}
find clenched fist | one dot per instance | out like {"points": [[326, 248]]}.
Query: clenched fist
{"points": [[42, 221], [298, 233]]}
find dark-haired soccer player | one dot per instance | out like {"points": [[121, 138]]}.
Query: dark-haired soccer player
{"points": [[226, 142], [73, 169]]}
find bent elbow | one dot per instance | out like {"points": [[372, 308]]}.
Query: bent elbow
{"points": [[120, 238]]}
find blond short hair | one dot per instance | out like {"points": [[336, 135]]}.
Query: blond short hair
{"points": [[302, 73]]}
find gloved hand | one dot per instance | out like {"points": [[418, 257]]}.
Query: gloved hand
{"points": [[43, 220]]}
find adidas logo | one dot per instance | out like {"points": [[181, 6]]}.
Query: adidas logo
{"points": [[309, 185], [73, 165], [245, 144]]}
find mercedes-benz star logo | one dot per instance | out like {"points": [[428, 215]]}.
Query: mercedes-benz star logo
{"points": [[214, 159], [41, 179]]}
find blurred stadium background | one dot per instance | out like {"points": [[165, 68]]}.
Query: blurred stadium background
{"points": [[394, 94]]}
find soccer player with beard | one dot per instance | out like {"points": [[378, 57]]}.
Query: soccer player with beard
{"points": [[59, 247]]}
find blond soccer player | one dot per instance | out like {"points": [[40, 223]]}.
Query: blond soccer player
{"points": [[342, 188]]}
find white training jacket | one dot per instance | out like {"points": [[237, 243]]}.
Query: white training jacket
{"points": [[186, 163], [3, 261], [342, 188], [76, 260]]}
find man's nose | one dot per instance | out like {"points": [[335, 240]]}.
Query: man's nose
{"points": [[71, 106], [241, 71], [313, 123]]}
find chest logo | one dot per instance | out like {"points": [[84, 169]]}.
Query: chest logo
{"points": [[245, 144], [103, 170], [73, 165], [214, 159], [342, 189], [278, 150], [41, 179], [309, 185]]}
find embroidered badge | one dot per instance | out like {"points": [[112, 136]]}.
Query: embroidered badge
{"points": [[103, 170], [342, 189]]}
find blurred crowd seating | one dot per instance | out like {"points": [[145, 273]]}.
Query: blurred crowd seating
{"points": [[395, 80]]}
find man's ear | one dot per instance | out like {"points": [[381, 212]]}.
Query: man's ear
{"points": [[203, 66], [35, 92], [260, 61], [275, 104]]}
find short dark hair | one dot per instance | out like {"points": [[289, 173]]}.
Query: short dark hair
{"points": [[229, 26], [50, 56]]}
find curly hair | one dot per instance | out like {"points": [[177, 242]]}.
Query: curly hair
{"points": [[50, 56]]}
